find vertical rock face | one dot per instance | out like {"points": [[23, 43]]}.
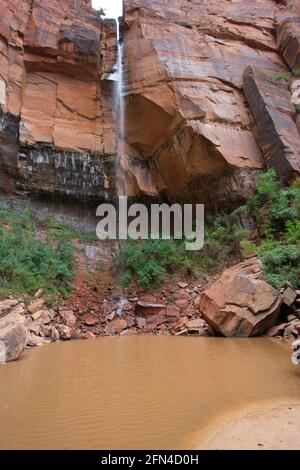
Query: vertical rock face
{"points": [[288, 33], [55, 57], [187, 118], [273, 111], [191, 134]]}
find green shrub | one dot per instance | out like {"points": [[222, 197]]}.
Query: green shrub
{"points": [[281, 263], [28, 263], [150, 262], [273, 206], [248, 248], [276, 210]]}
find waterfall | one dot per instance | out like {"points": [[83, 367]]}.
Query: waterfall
{"points": [[120, 85], [121, 180]]}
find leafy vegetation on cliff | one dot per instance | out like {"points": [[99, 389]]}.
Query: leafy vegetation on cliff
{"points": [[30, 260], [150, 262], [274, 209]]}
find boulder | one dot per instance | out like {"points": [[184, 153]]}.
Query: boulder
{"points": [[131, 332], [13, 337], [148, 308], [36, 326], [240, 303], [37, 315], [141, 323], [116, 327], [64, 332], [196, 326], [289, 297], [88, 335], [39, 293], [68, 317], [19, 309], [35, 340], [7, 305], [182, 304], [277, 330], [90, 320], [36, 305], [172, 311]]}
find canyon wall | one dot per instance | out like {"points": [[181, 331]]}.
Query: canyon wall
{"points": [[57, 122], [206, 109], [201, 125]]}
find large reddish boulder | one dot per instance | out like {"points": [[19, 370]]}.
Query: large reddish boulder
{"points": [[241, 303], [13, 336]]}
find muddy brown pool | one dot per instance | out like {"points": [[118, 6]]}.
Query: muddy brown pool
{"points": [[137, 392]]}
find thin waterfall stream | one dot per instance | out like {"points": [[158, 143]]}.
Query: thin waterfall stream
{"points": [[121, 180]]}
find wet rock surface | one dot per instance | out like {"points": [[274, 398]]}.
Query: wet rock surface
{"points": [[13, 336], [187, 121], [277, 134], [189, 131], [288, 35], [56, 101]]}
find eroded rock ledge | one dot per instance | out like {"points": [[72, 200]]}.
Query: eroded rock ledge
{"points": [[55, 58], [190, 133], [187, 116]]}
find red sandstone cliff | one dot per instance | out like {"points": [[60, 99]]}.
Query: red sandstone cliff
{"points": [[187, 117], [204, 111], [54, 57]]}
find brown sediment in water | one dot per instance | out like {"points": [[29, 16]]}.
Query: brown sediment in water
{"points": [[271, 426], [137, 392]]}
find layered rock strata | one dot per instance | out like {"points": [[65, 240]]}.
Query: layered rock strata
{"points": [[190, 134], [55, 58], [288, 34], [187, 121], [277, 132]]}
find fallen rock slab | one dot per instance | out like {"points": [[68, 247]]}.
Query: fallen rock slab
{"points": [[90, 320], [240, 304], [273, 112], [277, 330], [64, 332], [147, 308], [7, 305], [68, 317], [289, 297], [195, 326], [141, 322], [36, 305], [13, 337], [172, 311], [35, 340]]}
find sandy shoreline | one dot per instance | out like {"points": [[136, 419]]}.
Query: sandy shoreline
{"points": [[274, 427]]}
